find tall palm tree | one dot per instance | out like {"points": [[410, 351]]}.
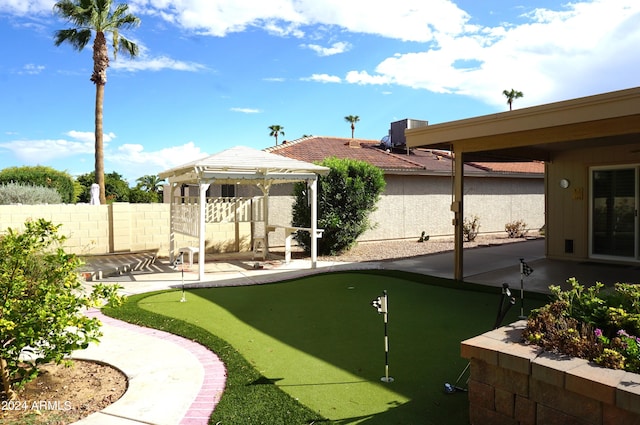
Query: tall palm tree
{"points": [[275, 130], [353, 119], [511, 95], [87, 17]]}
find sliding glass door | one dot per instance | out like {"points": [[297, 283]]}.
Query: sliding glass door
{"points": [[614, 218]]}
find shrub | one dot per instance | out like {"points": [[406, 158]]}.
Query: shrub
{"points": [[601, 326], [42, 302], [42, 176], [470, 228], [516, 229], [21, 193], [346, 196]]}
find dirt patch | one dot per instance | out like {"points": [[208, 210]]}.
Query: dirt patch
{"points": [[62, 395]]}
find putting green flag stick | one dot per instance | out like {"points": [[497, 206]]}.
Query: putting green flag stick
{"points": [[382, 305]]}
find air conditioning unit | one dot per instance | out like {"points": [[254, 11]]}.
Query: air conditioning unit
{"points": [[398, 139]]}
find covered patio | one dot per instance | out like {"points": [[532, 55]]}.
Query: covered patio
{"points": [[578, 140], [236, 166]]}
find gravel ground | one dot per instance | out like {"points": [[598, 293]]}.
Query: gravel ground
{"points": [[393, 249]]}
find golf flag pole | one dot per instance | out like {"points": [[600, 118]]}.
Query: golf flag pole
{"points": [[525, 270], [382, 305]]}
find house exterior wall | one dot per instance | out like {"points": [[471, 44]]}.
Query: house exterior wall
{"points": [[568, 220], [412, 204]]}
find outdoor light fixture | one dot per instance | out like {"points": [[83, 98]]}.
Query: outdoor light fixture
{"points": [[564, 183]]}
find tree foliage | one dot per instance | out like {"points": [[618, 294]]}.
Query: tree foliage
{"points": [[116, 189], [41, 299], [346, 197], [41, 176]]}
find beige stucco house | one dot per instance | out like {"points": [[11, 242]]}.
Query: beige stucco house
{"points": [[591, 150], [418, 187]]}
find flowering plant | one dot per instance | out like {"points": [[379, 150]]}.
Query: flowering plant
{"points": [[589, 323]]}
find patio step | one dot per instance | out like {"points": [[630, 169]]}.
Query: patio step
{"points": [[101, 266]]}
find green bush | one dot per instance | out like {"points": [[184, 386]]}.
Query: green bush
{"points": [[601, 326], [140, 196], [42, 176], [346, 197], [20, 193], [43, 299]]}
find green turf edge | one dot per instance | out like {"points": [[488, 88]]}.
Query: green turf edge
{"points": [[243, 402]]}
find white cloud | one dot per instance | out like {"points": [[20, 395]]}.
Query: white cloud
{"points": [[411, 20], [555, 55], [28, 7], [32, 69], [246, 110], [323, 78], [133, 161], [335, 49], [46, 150]]}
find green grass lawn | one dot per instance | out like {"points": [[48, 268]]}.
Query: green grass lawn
{"points": [[319, 341]]}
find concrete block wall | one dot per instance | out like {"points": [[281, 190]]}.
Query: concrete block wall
{"points": [[122, 227], [512, 383]]}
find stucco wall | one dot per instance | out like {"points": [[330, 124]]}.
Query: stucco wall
{"points": [[568, 217]]}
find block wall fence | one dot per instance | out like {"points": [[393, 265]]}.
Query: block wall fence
{"points": [[121, 227]]}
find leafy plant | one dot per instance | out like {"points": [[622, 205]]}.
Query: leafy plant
{"points": [[41, 298], [470, 228], [516, 229], [47, 177], [590, 323], [22, 193], [346, 197]]}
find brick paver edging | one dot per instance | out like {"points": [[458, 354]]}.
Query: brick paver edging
{"points": [[215, 373]]}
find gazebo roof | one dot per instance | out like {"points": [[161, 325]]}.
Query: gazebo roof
{"points": [[243, 165]]}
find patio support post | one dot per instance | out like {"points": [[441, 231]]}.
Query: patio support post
{"points": [[458, 209], [172, 234], [202, 226], [313, 189]]}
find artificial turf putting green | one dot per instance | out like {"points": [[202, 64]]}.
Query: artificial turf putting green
{"points": [[320, 340]]}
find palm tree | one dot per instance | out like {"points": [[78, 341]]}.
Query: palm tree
{"points": [[86, 17], [150, 183], [275, 130], [511, 95], [353, 119]]}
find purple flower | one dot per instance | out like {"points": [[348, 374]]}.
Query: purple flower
{"points": [[598, 333], [622, 332]]}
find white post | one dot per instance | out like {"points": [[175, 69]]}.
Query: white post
{"points": [[202, 230], [313, 189], [172, 235]]}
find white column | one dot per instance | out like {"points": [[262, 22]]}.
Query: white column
{"points": [[202, 230], [313, 188], [172, 234]]}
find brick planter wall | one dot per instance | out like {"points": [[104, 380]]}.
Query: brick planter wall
{"points": [[512, 383]]}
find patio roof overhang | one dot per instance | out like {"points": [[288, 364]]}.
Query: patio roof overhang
{"points": [[537, 132], [527, 134]]}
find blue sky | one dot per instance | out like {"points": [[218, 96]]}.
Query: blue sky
{"points": [[213, 74]]}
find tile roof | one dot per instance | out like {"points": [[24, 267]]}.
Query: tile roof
{"points": [[418, 161]]}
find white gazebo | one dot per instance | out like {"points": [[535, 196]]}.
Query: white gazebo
{"points": [[239, 166]]}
